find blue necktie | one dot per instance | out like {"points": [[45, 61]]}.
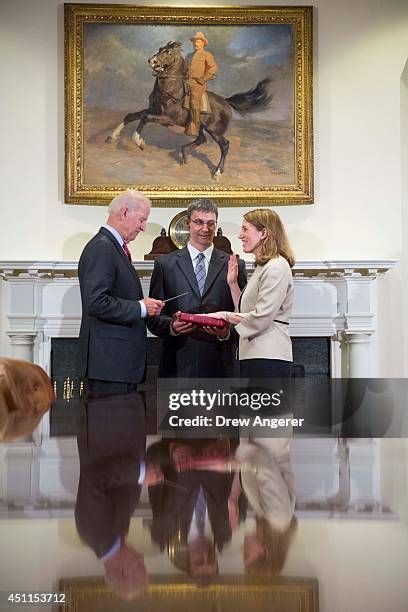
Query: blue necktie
{"points": [[200, 510], [200, 272]]}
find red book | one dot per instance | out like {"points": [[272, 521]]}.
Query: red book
{"points": [[199, 319]]}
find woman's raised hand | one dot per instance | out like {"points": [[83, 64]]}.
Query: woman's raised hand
{"points": [[232, 274]]}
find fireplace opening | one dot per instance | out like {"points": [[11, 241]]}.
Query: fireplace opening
{"points": [[311, 359]]}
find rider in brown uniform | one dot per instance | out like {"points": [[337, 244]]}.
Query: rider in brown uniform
{"points": [[200, 68]]}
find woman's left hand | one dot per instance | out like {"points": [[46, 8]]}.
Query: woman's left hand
{"points": [[226, 465], [219, 315], [232, 318]]}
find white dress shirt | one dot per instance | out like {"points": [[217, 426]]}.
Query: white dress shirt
{"points": [[207, 258], [195, 252]]}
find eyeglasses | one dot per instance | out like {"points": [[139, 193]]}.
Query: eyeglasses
{"points": [[200, 223]]}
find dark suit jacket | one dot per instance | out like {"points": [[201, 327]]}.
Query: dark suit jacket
{"points": [[112, 339], [196, 355], [111, 444]]}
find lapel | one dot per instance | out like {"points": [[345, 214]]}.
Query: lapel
{"points": [[217, 262], [124, 257], [240, 297], [254, 278], [186, 266]]}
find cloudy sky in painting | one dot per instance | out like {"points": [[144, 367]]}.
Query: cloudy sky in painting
{"points": [[118, 77]]}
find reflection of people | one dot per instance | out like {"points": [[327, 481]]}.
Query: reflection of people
{"points": [[202, 558], [111, 444], [126, 573], [266, 550], [200, 68], [190, 509], [200, 270], [266, 478], [25, 395], [265, 305], [112, 340]]}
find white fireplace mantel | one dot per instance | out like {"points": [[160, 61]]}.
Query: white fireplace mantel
{"points": [[344, 266], [335, 299]]}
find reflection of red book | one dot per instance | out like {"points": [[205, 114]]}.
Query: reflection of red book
{"points": [[198, 319], [200, 463]]}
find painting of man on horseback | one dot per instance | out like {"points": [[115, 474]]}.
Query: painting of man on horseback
{"points": [[181, 102], [179, 97]]}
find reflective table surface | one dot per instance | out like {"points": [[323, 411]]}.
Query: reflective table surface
{"points": [[111, 517]]}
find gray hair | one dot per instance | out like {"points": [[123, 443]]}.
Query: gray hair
{"points": [[202, 205], [130, 198]]}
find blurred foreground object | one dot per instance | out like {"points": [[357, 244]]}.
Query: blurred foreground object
{"points": [[26, 393]]}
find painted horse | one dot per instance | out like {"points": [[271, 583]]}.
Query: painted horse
{"points": [[166, 105]]}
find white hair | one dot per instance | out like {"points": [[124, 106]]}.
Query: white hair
{"points": [[130, 198]]}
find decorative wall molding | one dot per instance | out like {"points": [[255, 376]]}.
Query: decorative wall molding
{"points": [[336, 299], [338, 479], [341, 267]]}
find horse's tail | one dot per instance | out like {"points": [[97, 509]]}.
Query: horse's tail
{"points": [[255, 99]]}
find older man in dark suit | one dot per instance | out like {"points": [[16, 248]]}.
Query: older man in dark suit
{"points": [[112, 339], [200, 271]]}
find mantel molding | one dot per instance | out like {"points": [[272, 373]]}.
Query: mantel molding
{"points": [[311, 268], [335, 299]]}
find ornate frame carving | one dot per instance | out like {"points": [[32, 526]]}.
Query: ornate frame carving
{"points": [[171, 592]]}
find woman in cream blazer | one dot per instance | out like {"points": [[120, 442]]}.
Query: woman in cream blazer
{"points": [[264, 307], [266, 478]]}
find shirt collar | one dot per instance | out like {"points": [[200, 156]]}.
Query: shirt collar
{"points": [[114, 233], [194, 252]]}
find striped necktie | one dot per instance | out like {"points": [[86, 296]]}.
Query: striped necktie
{"points": [[200, 272], [200, 510]]}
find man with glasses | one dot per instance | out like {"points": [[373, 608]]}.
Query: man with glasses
{"points": [[199, 271]]}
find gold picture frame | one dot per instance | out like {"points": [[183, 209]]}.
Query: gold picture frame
{"points": [[263, 53], [174, 594]]}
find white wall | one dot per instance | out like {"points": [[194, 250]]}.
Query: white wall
{"points": [[403, 268], [359, 565], [360, 49]]}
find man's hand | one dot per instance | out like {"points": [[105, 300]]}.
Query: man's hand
{"points": [[220, 332], [153, 307], [181, 327], [180, 455], [154, 475]]}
